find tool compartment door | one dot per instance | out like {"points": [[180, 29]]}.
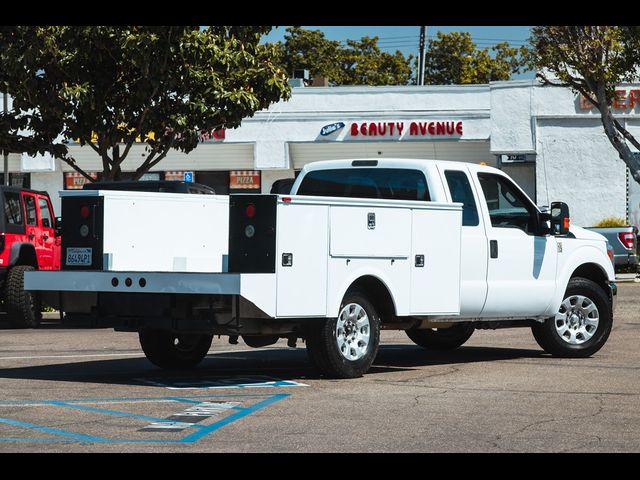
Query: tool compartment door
{"points": [[435, 261]]}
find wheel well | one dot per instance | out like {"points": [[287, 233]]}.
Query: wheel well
{"points": [[592, 272], [23, 254], [378, 294]]}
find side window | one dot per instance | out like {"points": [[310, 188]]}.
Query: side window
{"points": [[460, 189], [12, 209], [388, 183], [45, 213], [508, 208], [30, 204]]}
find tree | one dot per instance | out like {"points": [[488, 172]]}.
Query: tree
{"points": [[453, 58], [363, 63], [358, 63], [108, 87], [592, 61]]}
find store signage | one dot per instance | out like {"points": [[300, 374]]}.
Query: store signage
{"points": [[623, 100], [244, 179], [75, 181], [188, 177], [329, 129], [407, 129]]}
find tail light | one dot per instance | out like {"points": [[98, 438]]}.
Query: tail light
{"points": [[85, 211], [250, 211], [2, 244], [627, 239], [610, 253]]}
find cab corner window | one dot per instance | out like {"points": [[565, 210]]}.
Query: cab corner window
{"points": [[508, 208], [45, 213], [460, 189]]}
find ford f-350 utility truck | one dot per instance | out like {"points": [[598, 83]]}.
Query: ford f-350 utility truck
{"points": [[434, 248]]}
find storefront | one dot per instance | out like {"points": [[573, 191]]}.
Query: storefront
{"points": [[546, 138]]}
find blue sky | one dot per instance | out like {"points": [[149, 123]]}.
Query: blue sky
{"points": [[405, 38]]}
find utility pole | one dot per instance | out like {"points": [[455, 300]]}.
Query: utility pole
{"points": [[5, 105], [421, 48]]}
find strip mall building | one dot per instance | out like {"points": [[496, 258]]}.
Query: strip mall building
{"points": [[546, 138]]}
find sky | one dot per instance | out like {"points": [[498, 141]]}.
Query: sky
{"points": [[405, 38]]}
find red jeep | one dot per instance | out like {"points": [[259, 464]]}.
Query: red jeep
{"points": [[29, 240]]}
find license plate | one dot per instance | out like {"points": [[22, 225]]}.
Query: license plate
{"points": [[79, 256]]}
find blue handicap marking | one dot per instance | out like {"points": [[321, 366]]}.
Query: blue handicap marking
{"points": [[254, 381], [188, 177], [192, 415]]}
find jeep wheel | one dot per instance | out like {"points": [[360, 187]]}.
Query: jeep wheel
{"points": [[441, 338], [23, 307], [173, 351], [582, 325], [345, 346]]}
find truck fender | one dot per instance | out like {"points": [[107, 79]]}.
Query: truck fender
{"points": [[362, 275], [23, 253], [587, 255]]}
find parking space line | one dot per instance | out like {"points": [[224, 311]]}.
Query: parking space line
{"points": [[55, 431], [106, 411]]}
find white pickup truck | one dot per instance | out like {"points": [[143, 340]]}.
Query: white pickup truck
{"points": [[434, 248]]}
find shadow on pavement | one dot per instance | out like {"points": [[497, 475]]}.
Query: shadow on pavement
{"points": [[283, 364]]}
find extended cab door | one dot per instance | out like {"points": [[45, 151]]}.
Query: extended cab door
{"points": [[32, 229], [521, 274], [473, 244]]}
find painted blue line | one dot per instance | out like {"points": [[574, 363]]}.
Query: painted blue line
{"points": [[106, 411], [183, 400], [55, 431], [126, 399], [194, 437]]}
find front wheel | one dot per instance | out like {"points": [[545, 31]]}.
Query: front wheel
{"points": [[172, 350], [582, 325], [345, 346]]}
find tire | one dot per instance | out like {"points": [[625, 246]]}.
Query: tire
{"points": [[582, 325], [345, 346], [441, 338], [174, 351], [23, 307]]}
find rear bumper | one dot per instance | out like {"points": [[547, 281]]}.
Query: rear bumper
{"points": [[133, 282], [625, 259]]}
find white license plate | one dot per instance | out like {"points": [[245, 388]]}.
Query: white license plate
{"points": [[79, 256]]}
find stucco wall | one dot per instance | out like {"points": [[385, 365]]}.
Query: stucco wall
{"points": [[578, 165]]}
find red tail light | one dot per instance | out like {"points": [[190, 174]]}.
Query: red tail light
{"points": [[250, 211], [2, 244], [627, 239], [85, 211]]}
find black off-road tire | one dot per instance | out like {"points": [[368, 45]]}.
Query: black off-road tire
{"points": [[442, 338], [548, 337], [169, 350], [322, 342], [24, 309]]}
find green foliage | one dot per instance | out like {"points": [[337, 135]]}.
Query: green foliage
{"points": [[592, 60], [360, 62], [611, 222], [453, 58], [108, 86]]}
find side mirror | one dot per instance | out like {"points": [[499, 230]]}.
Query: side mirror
{"points": [[560, 221]]}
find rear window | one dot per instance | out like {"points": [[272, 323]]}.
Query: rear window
{"points": [[12, 209], [388, 183]]}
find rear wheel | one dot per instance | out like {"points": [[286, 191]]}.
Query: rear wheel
{"points": [[441, 338], [23, 307], [345, 346], [582, 325], [171, 350]]}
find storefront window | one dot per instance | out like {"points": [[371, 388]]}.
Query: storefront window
{"points": [[22, 180]]}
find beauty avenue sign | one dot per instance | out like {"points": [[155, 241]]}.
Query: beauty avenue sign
{"points": [[406, 130]]}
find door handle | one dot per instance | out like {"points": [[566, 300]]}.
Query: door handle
{"points": [[493, 248], [45, 237], [31, 236]]}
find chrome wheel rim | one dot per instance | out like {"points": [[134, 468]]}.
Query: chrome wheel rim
{"points": [[352, 332], [577, 320]]}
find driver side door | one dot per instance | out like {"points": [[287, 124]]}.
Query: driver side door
{"points": [[521, 272]]}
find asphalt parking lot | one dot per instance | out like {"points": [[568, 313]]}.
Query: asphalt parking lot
{"points": [[67, 390]]}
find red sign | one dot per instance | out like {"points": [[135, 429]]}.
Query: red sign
{"points": [[622, 100], [75, 181], [411, 129], [218, 134], [244, 179]]}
